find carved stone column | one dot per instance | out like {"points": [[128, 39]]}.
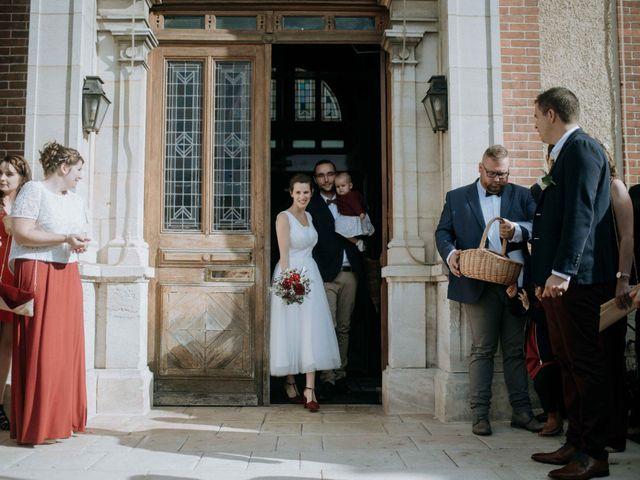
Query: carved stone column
{"points": [[124, 41], [407, 384]]}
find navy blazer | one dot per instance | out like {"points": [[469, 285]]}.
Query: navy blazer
{"points": [[462, 224], [572, 224], [328, 252]]}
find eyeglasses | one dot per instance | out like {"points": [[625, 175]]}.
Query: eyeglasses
{"points": [[325, 175], [492, 174]]}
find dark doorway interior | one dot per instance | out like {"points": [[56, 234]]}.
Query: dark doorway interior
{"points": [[326, 104]]}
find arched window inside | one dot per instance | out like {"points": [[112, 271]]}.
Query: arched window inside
{"points": [[330, 105]]}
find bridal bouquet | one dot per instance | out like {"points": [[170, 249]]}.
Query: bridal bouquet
{"points": [[291, 285]]}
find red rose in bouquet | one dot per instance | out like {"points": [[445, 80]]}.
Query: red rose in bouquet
{"points": [[291, 285]]}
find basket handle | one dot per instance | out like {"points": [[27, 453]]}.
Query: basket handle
{"points": [[485, 234]]}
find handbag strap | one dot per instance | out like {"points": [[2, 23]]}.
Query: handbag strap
{"points": [[615, 229]]}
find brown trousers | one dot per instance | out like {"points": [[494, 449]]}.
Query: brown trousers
{"points": [[341, 294], [573, 321]]}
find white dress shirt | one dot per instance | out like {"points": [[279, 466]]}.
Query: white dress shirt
{"points": [[333, 208], [490, 206]]}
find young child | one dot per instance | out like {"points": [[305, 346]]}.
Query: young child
{"points": [[539, 360], [352, 220]]}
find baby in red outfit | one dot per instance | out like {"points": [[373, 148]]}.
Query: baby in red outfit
{"points": [[352, 220]]}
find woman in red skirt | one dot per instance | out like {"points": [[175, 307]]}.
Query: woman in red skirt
{"points": [[14, 172], [48, 394]]}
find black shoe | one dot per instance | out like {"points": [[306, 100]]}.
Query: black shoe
{"points": [[341, 386], [327, 391], [481, 425]]}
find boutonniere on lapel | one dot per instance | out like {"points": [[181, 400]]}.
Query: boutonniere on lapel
{"points": [[545, 180]]}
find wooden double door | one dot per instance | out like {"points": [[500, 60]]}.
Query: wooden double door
{"points": [[207, 194]]}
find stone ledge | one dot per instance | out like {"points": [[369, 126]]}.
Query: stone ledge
{"points": [[430, 273], [103, 273]]}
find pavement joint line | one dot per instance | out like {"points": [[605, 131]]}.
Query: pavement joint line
{"points": [[406, 467], [450, 458]]}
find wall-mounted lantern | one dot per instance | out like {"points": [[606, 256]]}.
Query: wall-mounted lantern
{"points": [[436, 103], [94, 104]]}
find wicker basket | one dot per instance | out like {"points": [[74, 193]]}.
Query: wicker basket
{"points": [[483, 264]]}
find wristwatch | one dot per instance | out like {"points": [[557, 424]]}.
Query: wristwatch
{"points": [[621, 274]]}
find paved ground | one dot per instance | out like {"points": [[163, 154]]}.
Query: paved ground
{"points": [[286, 442]]}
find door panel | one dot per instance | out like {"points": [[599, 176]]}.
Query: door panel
{"points": [[206, 332], [206, 204]]}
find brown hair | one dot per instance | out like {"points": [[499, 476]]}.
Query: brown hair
{"points": [[53, 155], [323, 162], [22, 168], [495, 152], [300, 178], [613, 171], [562, 101], [345, 175]]}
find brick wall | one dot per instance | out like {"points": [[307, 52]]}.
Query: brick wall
{"points": [[520, 53], [629, 50], [14, 36]]}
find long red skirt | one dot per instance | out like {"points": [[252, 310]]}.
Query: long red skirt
{"points": [[48, 392]]}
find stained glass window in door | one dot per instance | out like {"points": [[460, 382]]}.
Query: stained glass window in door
{"points": [[330, 105], [183, 147], [232, 147], [305, 99]]}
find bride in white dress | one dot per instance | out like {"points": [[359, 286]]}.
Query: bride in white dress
{"points": [[303, 338]]}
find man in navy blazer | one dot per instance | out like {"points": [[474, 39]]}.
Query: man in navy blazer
{"points": [[466, 212], [340, 264], [573, 264]]}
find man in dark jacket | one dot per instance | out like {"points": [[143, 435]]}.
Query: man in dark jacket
{"points": [[466, 212], [340, 265], [572, 262]]}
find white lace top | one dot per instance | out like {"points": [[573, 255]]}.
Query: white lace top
{"points": [[56, 213]]}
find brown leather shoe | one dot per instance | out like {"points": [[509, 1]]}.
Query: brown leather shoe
{"points": [[582, 467], [562, 456]]}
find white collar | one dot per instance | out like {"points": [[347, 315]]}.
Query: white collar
{"points": [[555, 151]]}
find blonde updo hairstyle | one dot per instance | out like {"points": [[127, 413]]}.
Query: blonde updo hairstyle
{"points": [[22, 168], [53, 155]]}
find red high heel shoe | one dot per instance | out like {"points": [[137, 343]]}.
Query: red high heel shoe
{"points": [[297, 399], [311, 405]]}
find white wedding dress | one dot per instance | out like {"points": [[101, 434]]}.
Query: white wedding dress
{"points": [[303, 338]]}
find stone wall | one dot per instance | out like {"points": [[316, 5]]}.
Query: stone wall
{"points": [[589, 46], [14, 37]]}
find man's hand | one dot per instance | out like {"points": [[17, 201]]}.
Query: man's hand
{"points": [[507, 229], [454, 263], [555, 286], [623, 300]]}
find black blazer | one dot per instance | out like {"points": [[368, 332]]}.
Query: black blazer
{"points": [[462, 223], [328, 252], [572, 225]]}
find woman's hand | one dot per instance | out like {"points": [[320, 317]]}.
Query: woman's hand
{"points": [[623, 299], [77, 242]]}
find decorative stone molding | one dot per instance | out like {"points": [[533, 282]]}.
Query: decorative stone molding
{"points": [[129, 26], [408, 27]]}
